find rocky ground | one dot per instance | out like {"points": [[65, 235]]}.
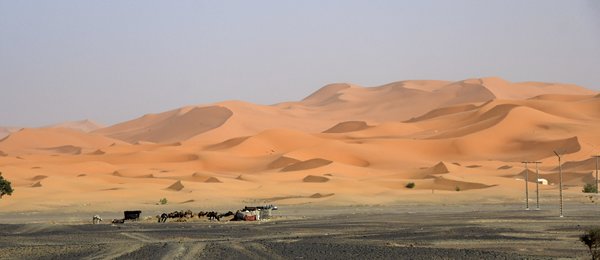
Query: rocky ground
{"points": [[305, 232]]}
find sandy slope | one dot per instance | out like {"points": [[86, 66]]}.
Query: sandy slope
{"points": [[5, 131], [344, 144], [82, 125]]}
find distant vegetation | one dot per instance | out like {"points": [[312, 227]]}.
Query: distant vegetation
{"points": [[589, 188], [591, 239], [162, 201], [5, 188], [457, 188], [410, 185]]}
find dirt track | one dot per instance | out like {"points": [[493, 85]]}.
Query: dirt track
{"points": [[387, 232]]}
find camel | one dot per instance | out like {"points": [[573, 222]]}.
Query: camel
{"points": [[176, 214], [118, 221], [213, 215], [96, 219], [162, 218], [226, 214]]}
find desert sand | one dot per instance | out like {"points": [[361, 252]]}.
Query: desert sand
{"points": [[342, 145]]}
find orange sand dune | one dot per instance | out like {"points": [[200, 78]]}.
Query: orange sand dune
{"points": [[5, 131], [82, 125], [349, 126], [343, 145], [52, 138], [171, 126]]}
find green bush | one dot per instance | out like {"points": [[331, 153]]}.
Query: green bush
{"points": [[5, 188], [162, 201], [589, 188], [410, 185], [591, 239]]}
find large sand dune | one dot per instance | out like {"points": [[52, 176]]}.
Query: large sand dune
{"points": [[356, 144]]}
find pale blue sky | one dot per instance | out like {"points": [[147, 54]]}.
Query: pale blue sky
{"points": [[115, 60]]}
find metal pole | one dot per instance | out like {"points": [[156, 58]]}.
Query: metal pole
{"points": [[526, 186], [596, 173], [560, 187], [537, 187]]}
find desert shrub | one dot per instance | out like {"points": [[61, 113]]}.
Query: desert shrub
{"points": [[162, 201], [457, 188], [591, 239], [589, 188], [5, 188], [410, 185]]}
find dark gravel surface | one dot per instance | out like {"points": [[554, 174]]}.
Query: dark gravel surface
{"points": [[482, 232]]}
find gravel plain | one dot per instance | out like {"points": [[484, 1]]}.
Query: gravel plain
{"points": [[316, 232]]}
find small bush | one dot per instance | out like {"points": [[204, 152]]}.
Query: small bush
{"points": [[457, 188], [162, 201], [410, 185], [5, 187], [591, 239], [589, 188]]}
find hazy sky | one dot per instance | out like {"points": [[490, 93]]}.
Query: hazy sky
{"points": [[116, 60]]}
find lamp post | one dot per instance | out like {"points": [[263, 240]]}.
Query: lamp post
{"points": [[560, 185]]}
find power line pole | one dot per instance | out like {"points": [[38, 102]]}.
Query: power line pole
{"points": [[537, 186], [526, 186], [560, 180], [596, 156]]}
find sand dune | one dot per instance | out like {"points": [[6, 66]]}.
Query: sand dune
{"points": [[305, 165], [446, 183], [82, 125], [587, 164], [177, 186], [68, 149], [363, 144], [317, 179], [39, 177], [5, 131], [171, 126], [282, 162], [44, 138], [212, 180], [349, 126]]}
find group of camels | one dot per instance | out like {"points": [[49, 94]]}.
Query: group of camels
{"points": [[248, 213], [181, 216]]}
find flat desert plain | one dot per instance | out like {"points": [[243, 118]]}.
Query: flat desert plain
{"points": [[343, 146], [398, 231]]}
